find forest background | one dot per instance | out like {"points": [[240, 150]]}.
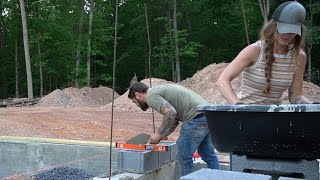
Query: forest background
{"points": [[50, 44]]}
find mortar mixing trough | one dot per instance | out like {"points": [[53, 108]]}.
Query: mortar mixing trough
{"points": [[275, 131]]}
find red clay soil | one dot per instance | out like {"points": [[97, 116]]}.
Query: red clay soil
{"points": [[85, 114], [90, 124], [68, 114]]}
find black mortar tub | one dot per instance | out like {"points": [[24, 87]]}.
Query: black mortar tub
{"points": [[273, 131]]}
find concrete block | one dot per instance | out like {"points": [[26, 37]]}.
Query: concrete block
{"points": [[170, 155], [137, 161], [142, 161], [213, 174], [308, 169], [166, 172], [172, 148]]}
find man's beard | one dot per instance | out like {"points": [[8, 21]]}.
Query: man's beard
{"points": [[144, 106]]}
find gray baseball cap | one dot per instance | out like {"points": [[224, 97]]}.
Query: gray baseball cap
{"points": [[290, 17]]}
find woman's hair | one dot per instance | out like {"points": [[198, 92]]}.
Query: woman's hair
{"points": [[267, 35], [137, 87]]}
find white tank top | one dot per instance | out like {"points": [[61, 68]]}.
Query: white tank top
{"points": [[254, 80]]}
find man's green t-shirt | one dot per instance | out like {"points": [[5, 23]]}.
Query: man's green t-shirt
{"points": [[182, 99]]}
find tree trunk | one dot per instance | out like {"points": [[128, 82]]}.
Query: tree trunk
{"points": [[161, 50], [264, 8], [149, 42], [50, 83], [79, 44], [162, 32], [310, 41], [40, 65], [245, 22], [38, 39], [3, 78], [309, 63], [26, 49], [89, 44], [18, 49], [176, 40], [146, 71], [171, 45], [16, 59]]}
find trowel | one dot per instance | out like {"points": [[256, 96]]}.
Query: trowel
{"points": [[141, 138]]}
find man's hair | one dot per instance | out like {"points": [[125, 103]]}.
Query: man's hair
{"points": [[137, 87]]}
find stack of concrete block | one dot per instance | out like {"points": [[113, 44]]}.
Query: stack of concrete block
{"points": [[140, 161], [302, 168], [213, 174]]}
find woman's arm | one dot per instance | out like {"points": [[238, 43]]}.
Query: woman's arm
{"points": [[296, 88], [248, 56]]}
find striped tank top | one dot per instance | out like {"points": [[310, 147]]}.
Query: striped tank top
{"points": [[254, 80]]}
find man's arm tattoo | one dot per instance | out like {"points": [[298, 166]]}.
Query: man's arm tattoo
{"points": [[169, 122]]}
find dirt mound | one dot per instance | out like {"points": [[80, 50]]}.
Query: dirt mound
{"points": [[93, 124], [203, 82], [75, 97], [125, 104], [311, 91]]}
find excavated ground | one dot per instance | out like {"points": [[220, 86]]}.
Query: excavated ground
{"points": [[86, 113]]}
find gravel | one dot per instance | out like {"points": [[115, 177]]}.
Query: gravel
{"points": [[63, 173]]}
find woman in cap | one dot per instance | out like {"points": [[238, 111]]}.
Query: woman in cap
{"points": [[273, 64]]}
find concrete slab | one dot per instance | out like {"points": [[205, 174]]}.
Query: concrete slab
{"points": [[122, 176], [166, 172], [213, 174], [32, 156]]}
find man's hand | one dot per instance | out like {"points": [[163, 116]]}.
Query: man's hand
{"points": [[156, 138]]}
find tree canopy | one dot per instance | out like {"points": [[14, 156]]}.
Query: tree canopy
{"points": [[208, 31]]}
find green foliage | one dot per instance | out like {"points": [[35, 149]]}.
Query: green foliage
{"points": [[209, 31]]}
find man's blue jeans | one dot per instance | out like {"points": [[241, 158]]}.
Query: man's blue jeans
{"points": [[194, 135]]}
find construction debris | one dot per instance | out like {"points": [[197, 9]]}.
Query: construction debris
{"points": [[16, 102]]}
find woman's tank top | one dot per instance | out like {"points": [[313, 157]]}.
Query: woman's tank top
{"points": [[254, 80]]}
